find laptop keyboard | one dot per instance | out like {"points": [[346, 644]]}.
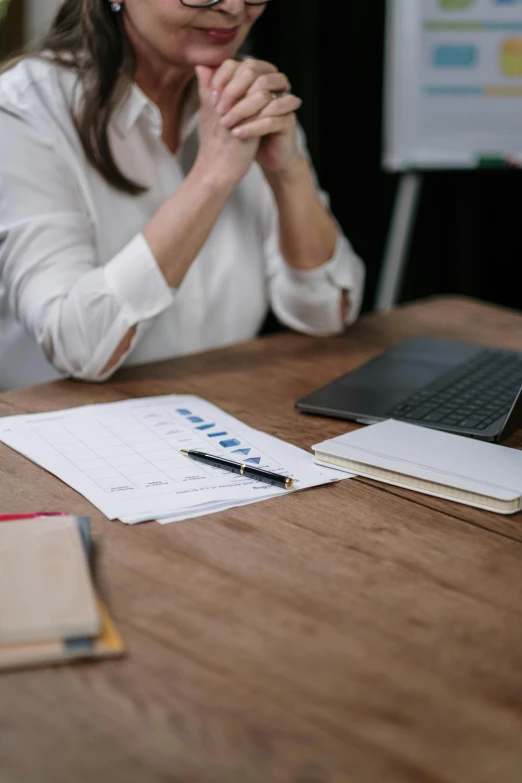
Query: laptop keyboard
{"points": [[472, 396]]}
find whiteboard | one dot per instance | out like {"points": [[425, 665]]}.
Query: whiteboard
{"points": [[453, 83]]}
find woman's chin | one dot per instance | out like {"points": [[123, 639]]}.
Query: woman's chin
{"points": [[213, 56]]}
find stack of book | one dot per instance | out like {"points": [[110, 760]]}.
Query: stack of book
{"points": [[50, 610]]}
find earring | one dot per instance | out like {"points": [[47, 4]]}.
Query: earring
{"points": [[115, 7]]}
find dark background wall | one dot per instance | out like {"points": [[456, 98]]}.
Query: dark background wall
{"points": [[468, 236]]}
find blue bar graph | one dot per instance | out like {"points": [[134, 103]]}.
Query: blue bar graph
{"points": [[184, 412], [216, 434], [195, 419], [227, 444], [206, 427], [254, 460], [241, 451]]}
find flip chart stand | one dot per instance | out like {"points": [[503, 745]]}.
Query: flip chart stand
{"points": [[399, 240]]}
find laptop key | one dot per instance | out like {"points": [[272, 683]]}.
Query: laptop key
{"points": [[434, 417], [420, 413], [402, 408], [470, 423]]}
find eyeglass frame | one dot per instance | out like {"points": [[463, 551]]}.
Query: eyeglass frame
{"points": [[215, 2]]}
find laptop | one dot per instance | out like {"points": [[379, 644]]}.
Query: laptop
{"points": [[452, 386]]}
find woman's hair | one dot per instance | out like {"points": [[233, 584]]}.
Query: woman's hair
{"points": [[88, 37]]}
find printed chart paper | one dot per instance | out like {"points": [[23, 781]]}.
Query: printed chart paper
{"points": [[124, 457]]}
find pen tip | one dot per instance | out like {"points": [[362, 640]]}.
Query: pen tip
{"points": [[184, 451]]}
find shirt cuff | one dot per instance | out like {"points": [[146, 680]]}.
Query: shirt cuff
{"points": [[92, 370], [344, 271], [137, 282]]}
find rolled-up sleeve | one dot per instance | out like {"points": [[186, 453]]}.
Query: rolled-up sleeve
{"points": [[309, 301], [77, 306]]}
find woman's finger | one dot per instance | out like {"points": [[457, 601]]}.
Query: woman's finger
{"points": [[260, 104], [222, 76], [241, 81], [204, 77], [248, 107], [259, 66], [271, 82], [264, 127], [278, 107]]}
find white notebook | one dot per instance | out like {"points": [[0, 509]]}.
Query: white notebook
{"points": [[468, 471]]}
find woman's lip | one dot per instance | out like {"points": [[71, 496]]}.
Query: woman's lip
{"points": [[219, 33]]}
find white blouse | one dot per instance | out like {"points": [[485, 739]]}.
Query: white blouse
{"points": [[76, 272]]}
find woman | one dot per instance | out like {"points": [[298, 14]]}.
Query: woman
{"points": [[155, 193]]}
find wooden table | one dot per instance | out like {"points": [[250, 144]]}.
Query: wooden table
{"points": [[351, 633]]}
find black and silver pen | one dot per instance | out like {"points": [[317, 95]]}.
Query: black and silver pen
{"points": [[285, 482]]}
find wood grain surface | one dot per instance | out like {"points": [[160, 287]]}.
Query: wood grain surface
{"points": [[353, 633]]}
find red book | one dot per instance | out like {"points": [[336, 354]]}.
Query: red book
{"points": [[12, 517]]}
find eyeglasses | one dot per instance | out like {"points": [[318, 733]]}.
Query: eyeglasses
{"points": [[210, 3]]}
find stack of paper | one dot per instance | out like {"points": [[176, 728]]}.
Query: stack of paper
{"points": [[124, 457], [49, 609]]}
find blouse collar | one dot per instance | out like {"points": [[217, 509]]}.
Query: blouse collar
{"points": [[135, 104]]}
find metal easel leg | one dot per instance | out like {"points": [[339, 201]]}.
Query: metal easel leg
{"points": [[404, 213]]}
